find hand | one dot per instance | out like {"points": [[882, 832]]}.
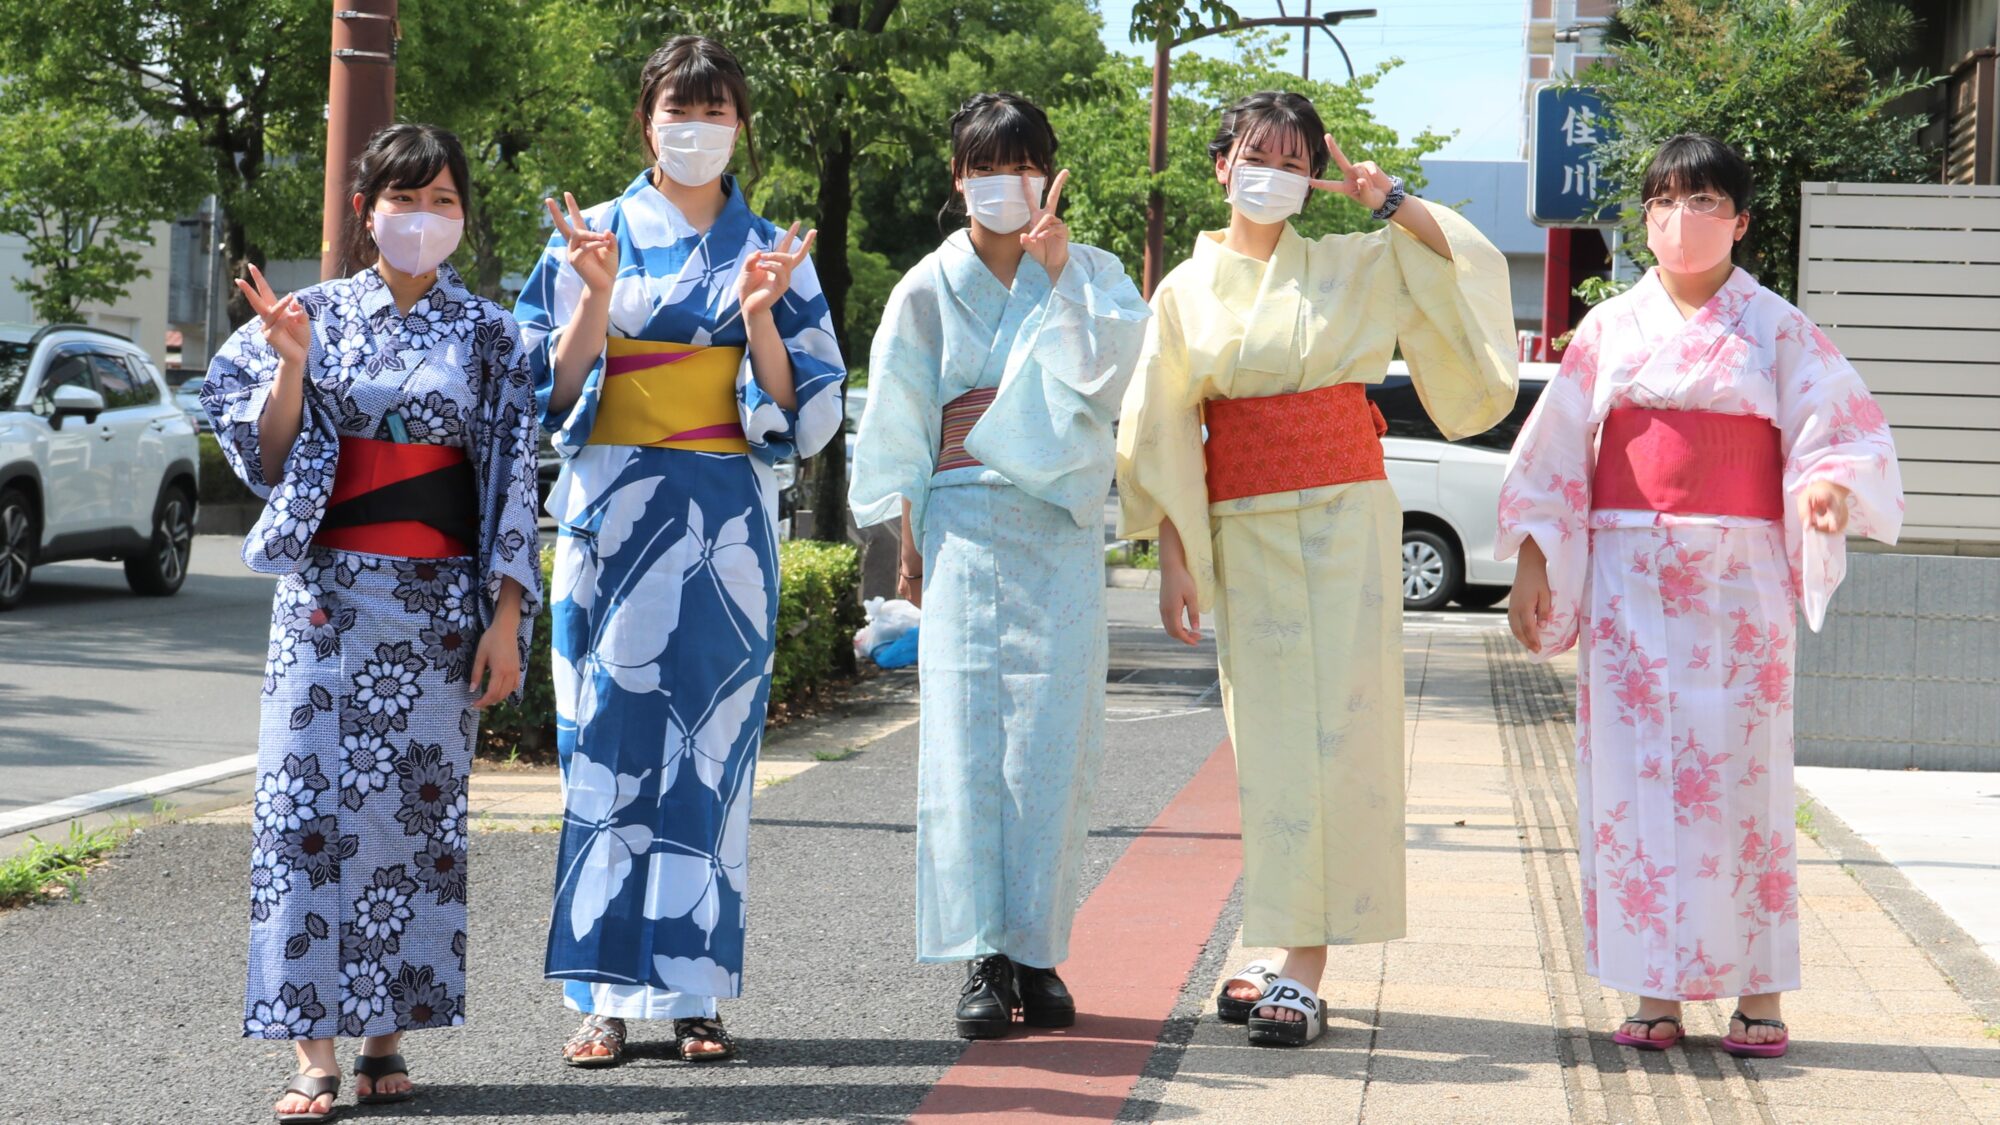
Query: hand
{"points": [[1823, 507], [910, 585], [593, 254], [1365, 183], [286, 327], [767, 274], [1178, 600], [1531, 602], [1047, 238], [499, 654]]}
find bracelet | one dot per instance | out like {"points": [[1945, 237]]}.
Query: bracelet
{"points": [[1392, 201]]}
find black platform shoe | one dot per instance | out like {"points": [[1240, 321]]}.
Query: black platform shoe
{"points": [[1045, 999], [986, 1004]]}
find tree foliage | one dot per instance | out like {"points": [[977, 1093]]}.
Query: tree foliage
{"points": [[1781, 81]]}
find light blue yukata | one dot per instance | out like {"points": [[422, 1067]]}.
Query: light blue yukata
{"points": [[665, 597], [1013, 647]]}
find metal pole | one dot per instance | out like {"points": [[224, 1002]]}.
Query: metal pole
{"points": [[360, 100], [1306, 67], [1156, 203]]}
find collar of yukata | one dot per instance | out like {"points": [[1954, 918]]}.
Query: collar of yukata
{"points": [[373, 295], [969, 276]]}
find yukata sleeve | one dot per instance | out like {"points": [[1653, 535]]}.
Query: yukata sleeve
{"points": [[547, 304], [1050, 426], [818, 377], [1546, 493], [1832, 431], [238, 385], [896, 450], [1161, 474], [504, 461], [1455, 323]]}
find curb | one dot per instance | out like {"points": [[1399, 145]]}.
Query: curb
{"points": [[1131, 578]]}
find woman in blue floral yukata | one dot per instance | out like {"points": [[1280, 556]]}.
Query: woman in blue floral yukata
{"points": [[387, 419], [680, 347]]}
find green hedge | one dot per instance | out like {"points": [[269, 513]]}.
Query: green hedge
{"points": [[219, 484], [817, 616]]}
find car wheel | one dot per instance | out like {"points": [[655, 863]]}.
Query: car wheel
{"points": [[17, 546], [1432, 570], [163, 567], [1482, 597]]}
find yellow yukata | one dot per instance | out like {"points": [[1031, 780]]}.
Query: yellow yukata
{"points": [[1305, 587]]}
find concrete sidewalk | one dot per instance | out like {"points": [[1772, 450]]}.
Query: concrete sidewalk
{"points": [[1484, 1012]]}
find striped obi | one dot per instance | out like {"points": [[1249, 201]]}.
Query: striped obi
{"points": [[669, 396], [960, 414]]}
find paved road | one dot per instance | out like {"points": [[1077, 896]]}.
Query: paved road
{"points": [[101, 688]]}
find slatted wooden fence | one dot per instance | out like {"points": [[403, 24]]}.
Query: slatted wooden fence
{"points": [[1906, 280]]}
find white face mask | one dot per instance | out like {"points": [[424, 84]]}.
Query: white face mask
{"points": [[1267, 195], [693, 153], [998, 203], [416, 242]]}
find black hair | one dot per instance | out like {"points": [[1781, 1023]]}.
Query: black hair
{"points": [[997, 129], [399, 156], [1694, 162], [1249, 120], [700, 71]]}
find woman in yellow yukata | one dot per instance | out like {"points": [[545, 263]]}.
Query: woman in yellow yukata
{"points": [[1283, 525]]}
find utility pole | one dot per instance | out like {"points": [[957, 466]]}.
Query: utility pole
{"points": [[360, 100]]}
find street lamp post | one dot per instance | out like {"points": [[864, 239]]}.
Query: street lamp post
{"points": [[1156, 203], [360, 99]]}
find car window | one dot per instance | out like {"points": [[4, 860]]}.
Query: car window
{"points": [[14, 358], [113, 378], [145, 389], [1397, 398], [69, 367]]}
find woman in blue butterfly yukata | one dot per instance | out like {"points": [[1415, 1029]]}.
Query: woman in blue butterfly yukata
{"points": [[387, 419], [681, 346]]}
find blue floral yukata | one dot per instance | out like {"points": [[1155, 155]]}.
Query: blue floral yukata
{"points": [[358, 872], [665, 605]]}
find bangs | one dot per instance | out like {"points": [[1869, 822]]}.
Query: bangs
{"points": [[699, 81], [1276, 123], [1002, 132], [1277, 135], [416, 162], [1693, 163]]}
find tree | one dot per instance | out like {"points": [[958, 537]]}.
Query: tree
{"points": [[245, 79], [1105, 139], [1777, 79], [84, 191]]}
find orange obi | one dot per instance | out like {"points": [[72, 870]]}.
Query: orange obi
{"points": [[396, 498], [960, 415], [1288, 443], [669, 396]]}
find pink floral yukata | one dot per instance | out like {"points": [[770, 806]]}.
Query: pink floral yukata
{"points": [[1685, 627]]}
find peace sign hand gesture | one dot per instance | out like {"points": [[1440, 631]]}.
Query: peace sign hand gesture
{"points": [[593, 254], [1365, 183], [1047, 238], [286, 327], [767, 274]]}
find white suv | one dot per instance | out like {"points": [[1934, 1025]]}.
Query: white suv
{"points": [[1450, 492], [96, 460]]}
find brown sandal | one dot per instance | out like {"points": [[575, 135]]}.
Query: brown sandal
{"points": [[596, 1030], [703, 1029], [312, 1089]]}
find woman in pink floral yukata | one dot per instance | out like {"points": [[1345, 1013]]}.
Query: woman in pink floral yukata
{"points": [[1683, 484]]}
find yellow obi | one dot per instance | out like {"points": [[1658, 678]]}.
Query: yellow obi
{"points": [[669, 396]]}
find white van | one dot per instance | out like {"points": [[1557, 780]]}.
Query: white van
{"points": [[1450, 492]]}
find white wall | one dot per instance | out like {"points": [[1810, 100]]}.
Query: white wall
{"points": [[142, 315]]}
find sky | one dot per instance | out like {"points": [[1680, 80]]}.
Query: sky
{"points": [[1463, 62]]}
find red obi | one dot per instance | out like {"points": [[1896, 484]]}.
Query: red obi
{"points": [[1690, 462], [960, 415], [395, 498], [1287, 443]]}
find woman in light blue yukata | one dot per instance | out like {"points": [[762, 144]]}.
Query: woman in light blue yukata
{"points": [[995, 378], [680, 346]]}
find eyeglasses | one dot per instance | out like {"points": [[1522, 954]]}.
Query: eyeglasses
{"points": [[1701, 203]]}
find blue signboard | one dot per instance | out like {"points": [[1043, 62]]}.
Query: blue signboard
{"points": [[1563, 179]]}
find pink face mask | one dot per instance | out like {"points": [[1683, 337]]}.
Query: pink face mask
{"points": [[1691, 243]]}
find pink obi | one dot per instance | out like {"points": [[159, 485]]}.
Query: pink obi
{"points": [[960, 415], [1690, 462]]}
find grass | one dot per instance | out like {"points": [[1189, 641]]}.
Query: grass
{"points": [[1126, 556], [833, 755], [1802, 818], [58, 868]]}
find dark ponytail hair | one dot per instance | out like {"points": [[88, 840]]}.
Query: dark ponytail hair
{"points": [[700, 71], [400, 156], [996, 129], [1271, 115]]}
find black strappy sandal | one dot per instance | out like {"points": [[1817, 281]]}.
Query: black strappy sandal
{"points": [[313, 1089], [1772, 1050], [688, 1032], [375, 1068], [596, 1030], [1647, 1042]]}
